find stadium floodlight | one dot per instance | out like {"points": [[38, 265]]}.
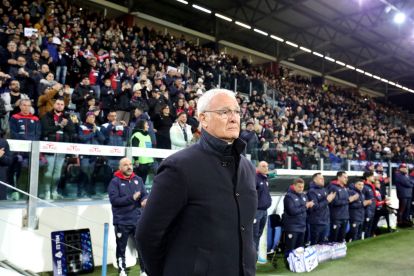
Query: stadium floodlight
{"points": [[317, 54], [405, 88], [399, 85], [223, 17], [392, 83], [350, 67], [243, 25], [399, 18], [340, 62], [360, 70], [260, 32], [277, 38], [182, 1], [305, 49], [201, 8], [384, 80], [329, 59], [291, 44], [376, 77], [412, 91], [368, 74]]}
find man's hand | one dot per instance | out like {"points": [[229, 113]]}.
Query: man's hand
{"points": [[64, 122], [136, 195], [144, 203], [367, 202], [331, 197], [353, 198], [2, 152], [309, 204]]}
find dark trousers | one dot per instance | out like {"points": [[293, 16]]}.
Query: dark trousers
{"points": [[404, 209], [382, 212], [318, 233], [355, 230], [143, 170], [338, 230], [368, 227], [258, 226], [293, 240], [122, 234]]}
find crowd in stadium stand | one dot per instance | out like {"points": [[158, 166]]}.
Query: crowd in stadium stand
{"points": [[92, 80]]}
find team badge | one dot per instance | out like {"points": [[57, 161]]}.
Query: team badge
{"points": [[334, 226], [354, 225], [290, 236], [119, 235], [136, 182]]}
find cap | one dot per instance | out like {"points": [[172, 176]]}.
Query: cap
{"points": [[249, 123]]}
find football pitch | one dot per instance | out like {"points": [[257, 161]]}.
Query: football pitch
{"points": [[387, 254]]}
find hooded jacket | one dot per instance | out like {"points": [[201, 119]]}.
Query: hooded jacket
{"points": [[319, 213]]}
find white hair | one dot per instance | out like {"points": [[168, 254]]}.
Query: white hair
{"points": [[203, 102]]}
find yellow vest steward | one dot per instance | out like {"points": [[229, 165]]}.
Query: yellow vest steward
{"points": [[144, 142]]}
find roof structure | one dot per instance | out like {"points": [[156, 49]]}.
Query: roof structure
{"points": [[358, 33]]}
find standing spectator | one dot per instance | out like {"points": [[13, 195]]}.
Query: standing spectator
{"points": [[156, 103], [185, 214], [56, 127], [339, 207], [319, 216], [250, 137], [23, 126], [127, 195], [46, 101], [107, 98], [294, 215], [123, 98], [82, 91], [89, 133], [12, 100], [5, 161], [357, 211], [180, 133], [404, 192], [141, 138], [162, 125], [264, 200], [62, 63]]}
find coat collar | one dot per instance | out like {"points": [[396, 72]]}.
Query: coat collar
{"points": [[220, 147]]}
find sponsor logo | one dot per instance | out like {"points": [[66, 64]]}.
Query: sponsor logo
{"points": [[95, 150], [49, 146], [73, 148]]}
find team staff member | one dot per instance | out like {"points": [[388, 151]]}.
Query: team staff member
{"points": [[294, 215], [319, 214], [199, 216], [369, 194], [404, 192], [357, 211], [264, 200], [339, 208], [127, 195]]}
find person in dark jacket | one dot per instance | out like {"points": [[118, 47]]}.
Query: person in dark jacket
{"points": [[127, 195], [6, 159], [107, 98], [357, 211], [162, 123], [339, 208], [82, 91], [369, 194], [199, 215], [56, 127], [294, 215], [264, 200], [250, 137], [23, 126], [404, 193], [318, 215]]}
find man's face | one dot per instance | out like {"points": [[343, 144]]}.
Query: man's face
{"points": [[263, 168], [125, 166], [319, 180], [25, 107], [359, 185], [21, 61], [36, 57], [112, 117], [90, 119], [59, 106], [14, 86], [223, 126], [343, 179], [299, 187], [44, 69], [182, 119]]}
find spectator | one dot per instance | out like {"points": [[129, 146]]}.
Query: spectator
{"points": [[250, 137], [123, 98], [127, 195], [180, 133], [82, 91], [5, 161], [162, 125], [48, 98]]}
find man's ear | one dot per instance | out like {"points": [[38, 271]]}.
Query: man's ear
{"points": [[203, 120]]}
